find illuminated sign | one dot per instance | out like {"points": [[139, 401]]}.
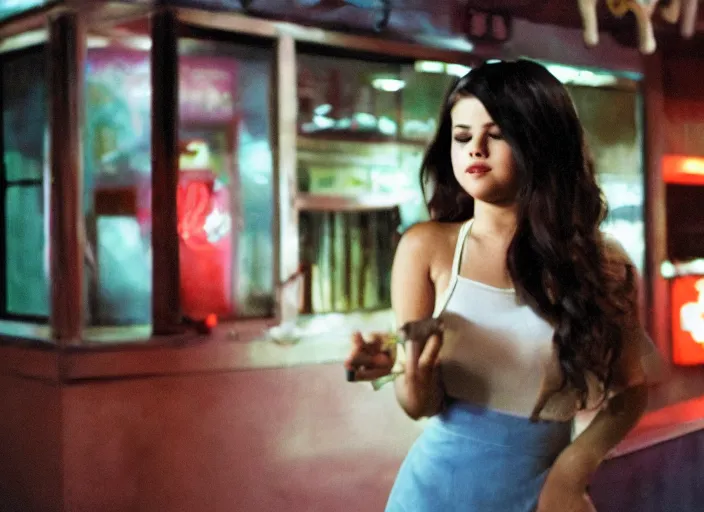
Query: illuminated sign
{"points": [[683, 170], [688, 320]]}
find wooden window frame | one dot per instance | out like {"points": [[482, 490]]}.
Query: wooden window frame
{"points": [[239, 344]]}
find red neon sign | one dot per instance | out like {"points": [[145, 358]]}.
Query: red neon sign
{"points": [[683, 170], [688, 320], [205, 233]]}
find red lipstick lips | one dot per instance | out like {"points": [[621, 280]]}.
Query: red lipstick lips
{"points": [[478, 169]]}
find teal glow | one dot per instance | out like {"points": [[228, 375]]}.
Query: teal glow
{"points": [[11, 7]]}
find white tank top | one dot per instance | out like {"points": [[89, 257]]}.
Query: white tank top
{"points": [[495, 350]]}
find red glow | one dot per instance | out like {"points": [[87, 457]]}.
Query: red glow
{"points": [[206, 246], [683, 170], [194, 205], [687, 294], [211, 321]]}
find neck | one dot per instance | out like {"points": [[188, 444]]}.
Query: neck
{"points": [[498, 222]]}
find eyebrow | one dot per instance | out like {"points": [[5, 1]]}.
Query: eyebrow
{"points": [[467, 127]]}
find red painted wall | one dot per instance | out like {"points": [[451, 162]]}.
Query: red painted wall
{"points": [[299, 439], [30, 451]]}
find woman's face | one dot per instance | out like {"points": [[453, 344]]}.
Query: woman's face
{"points": [[482, 160]]}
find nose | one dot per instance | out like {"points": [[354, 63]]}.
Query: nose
{"points": [[477, 148]]}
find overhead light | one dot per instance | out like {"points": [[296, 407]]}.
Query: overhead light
{"points": [[429, 66], [576, 76], [322, 110], [134, 42], [24, 40], [388, 84], [457, 69], [432, 66]]}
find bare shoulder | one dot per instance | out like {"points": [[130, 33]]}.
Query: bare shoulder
{"points": [[427, 248], [618, 264], [613, 252], [430, 238]]}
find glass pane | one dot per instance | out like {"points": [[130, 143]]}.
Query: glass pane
{"points": [[348, 256], [117, 170], [24, 109], [11, 7], [610, 118], [27, 287], [363, 128], [225, 191]]}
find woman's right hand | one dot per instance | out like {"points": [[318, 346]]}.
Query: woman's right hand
{"points": [[419, 389], [368, 360]]}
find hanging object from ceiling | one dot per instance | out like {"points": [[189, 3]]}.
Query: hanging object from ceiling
{"points": [[684, 11], [382, 6], [587, 10], [689, 18], [671, 11], [643, 11], [482, 26]]}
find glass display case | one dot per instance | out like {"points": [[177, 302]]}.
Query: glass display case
{"points": [[225, 184], [273, 151], [363, 125], [117, 178], [225, 188]]}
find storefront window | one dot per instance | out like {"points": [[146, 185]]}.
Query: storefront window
{"points": [[611, 120], [225, 190], [25, 290], [117, 171], [362, 130]]}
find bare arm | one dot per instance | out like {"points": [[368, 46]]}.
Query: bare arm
{"points": [[578, 462], [418, 390]]}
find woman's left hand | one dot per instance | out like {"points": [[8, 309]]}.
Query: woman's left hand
{"points": [[560, 496]]}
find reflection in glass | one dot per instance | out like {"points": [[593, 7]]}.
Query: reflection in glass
{"points": [[24, 126], [225, 190], [362, 130], [611, 122], [117, 190], [12, 7]]}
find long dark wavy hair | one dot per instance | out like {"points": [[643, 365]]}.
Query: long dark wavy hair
{"points": [[556, 257]]}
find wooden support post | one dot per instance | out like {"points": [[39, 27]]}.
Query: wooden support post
{"points": [[66, 59], [165, 245], [657, 288], [286, 246]]}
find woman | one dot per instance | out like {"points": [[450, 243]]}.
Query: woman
{"points": [[539, 311]]}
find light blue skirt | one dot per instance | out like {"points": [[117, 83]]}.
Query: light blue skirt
{"points": [[471, 459]]}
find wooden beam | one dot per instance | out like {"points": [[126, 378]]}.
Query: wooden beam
{"points": [[66, 57], [166, 316], [657, 288], [286, 246]]}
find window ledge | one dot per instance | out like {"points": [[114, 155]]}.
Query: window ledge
{"points": [[318, 339], [30, 360], [25, 330], [656, 426]]}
